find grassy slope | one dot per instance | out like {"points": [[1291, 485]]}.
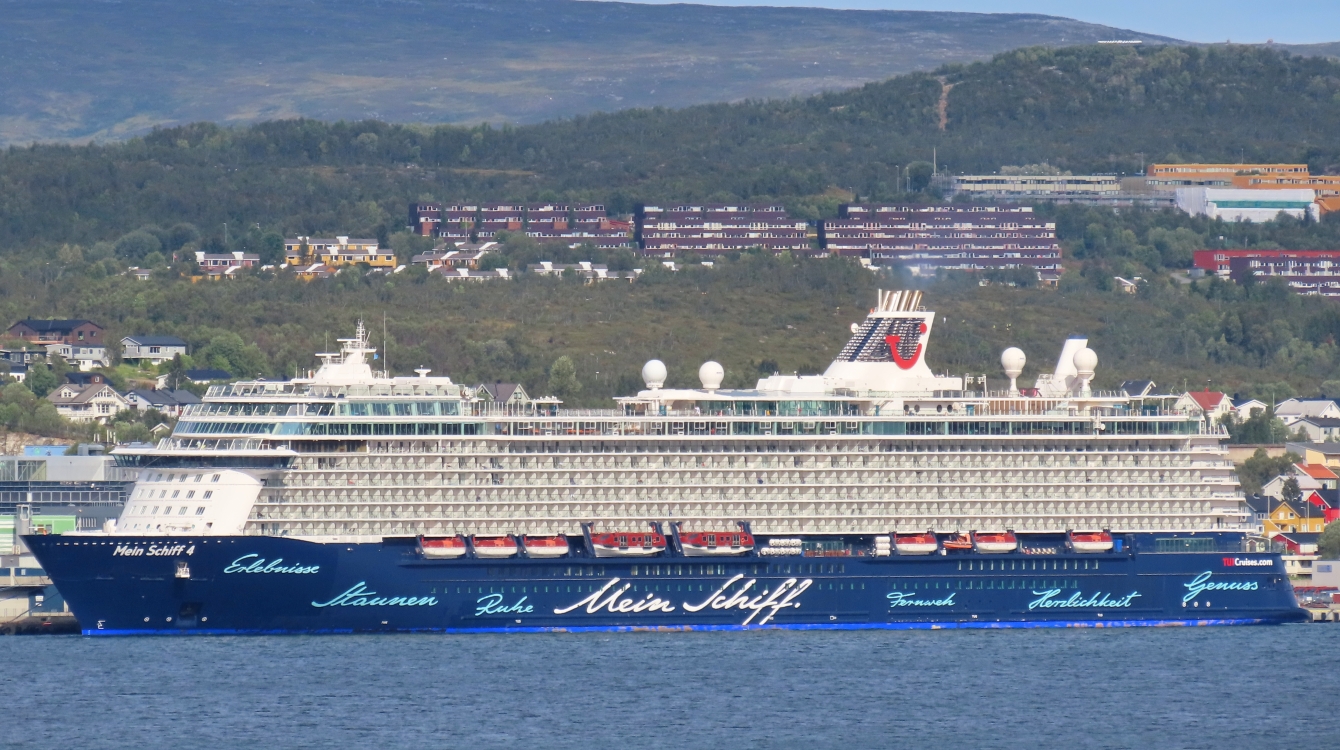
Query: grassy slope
{"points": [[747, 315], [76, 69]]}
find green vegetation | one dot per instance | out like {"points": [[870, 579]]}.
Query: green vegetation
{"points": [[1328, 544], [1260, 468]]}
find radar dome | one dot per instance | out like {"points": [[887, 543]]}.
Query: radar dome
{"points": [[1013, 360], [1086, 360], [711, 374], [653, 374]]}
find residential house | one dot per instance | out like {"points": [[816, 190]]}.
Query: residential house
{"points": [[336, 251], [154, 349], [1209, 405], [47, 332], [1288, 518], [1247, 407], [96, 402], [1319, 429], [1137, 388], [1327, 454], [585, 269], [1260, 506], [170, 403], [424, 218], [221, 265], [85, 378], [465, 274], [316, 271], [502, 393], [460, 255], [1294, 409], [1129, 286], [18, 372], [84, 357]]}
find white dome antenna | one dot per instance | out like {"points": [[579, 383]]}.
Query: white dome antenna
{"points": [[653, 374], [711, 374], [1013, 361], [1086, 361]]}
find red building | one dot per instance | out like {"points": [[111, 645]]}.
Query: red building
{"points": [[1305, 271]]}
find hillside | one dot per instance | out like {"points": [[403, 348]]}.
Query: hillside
{"points": [[1080, 108], [80, 69]]}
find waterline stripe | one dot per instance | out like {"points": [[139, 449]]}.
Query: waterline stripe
{"points": [[701, 628]]}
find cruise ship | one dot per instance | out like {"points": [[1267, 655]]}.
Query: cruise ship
{"points": [[876, 495]]}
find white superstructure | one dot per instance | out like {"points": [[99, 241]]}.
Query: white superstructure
{"points": [[876, 444]]}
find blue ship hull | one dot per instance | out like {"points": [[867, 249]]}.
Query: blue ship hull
{"points": [[252, 584]]}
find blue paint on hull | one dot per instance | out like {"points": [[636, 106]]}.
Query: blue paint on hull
{"points": [[270, 585]]}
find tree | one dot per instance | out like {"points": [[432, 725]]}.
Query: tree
{"points": [[41, 380], [1290, 492], [563, 378], [919, 175], [138, 244], [271, 249], [1328, 544], [1261, 468]]}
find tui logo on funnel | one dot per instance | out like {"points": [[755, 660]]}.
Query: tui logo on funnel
{"points": [[893, 340]]}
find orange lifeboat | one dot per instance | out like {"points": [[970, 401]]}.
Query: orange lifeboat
{"points": [[493, 546], [995, 543], [713, 543], [916, 544], [628, 544], [960, 542], [1090, 541], [545, 546], [441, 547]]}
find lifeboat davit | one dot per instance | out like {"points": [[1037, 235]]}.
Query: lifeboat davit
{"points": [[494, 546], [441, 547], [960, 542], [1090, 541], [626, 544], [712, 543], [545, 546], [994, 542], [916, 544]]}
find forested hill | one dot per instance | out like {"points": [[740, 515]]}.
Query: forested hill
{"points": [[75, 69], [1083, 109]]}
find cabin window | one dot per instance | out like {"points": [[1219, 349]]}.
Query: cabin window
{"points": [[208, 494], [215, 478], [167, 511], [200, 511], [182, 512]]}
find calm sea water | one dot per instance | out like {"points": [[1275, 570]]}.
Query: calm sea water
{"points": [[1137, 688]]}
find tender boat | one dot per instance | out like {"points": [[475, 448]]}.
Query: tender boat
{"points": [[711, 543], [628, 544], [545, 546], [494, 546], [960, 542], [916, 544], [995, 542], [441, 547], [1091, 541]]}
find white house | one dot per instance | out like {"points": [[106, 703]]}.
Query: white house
{"points": [[84, 357], [1246, 407], [95, 402], [1294, 409], [155, 349], [1207, 404]]}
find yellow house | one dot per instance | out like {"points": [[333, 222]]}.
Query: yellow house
{"points": [[337, 251], [1284, 518]]}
